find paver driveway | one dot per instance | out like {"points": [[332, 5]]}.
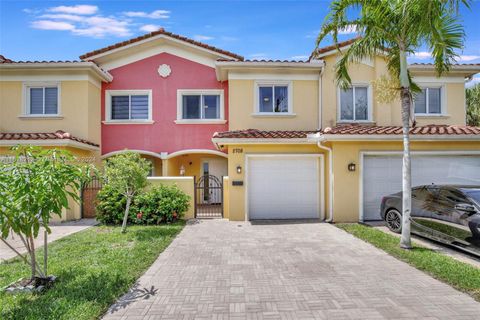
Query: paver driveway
{"points": [[225, 270]]}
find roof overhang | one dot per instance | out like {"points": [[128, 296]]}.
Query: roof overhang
{"points": [[391, 137], [50, 143], [151, 41], [465, 70], [224, 67], [59, 66], [237, 141]]}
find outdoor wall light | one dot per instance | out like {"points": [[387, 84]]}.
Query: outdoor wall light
{"points": [[182, 170], [239, 169], [351, 166]]}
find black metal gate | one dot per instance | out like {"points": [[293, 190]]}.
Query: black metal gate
{"points": [[208, 197], [89, 197]]}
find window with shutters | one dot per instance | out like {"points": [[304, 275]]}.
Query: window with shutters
{"points": [[128, 106], [42, 99]]}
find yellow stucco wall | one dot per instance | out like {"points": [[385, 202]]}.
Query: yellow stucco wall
{"points": [[346, 199], [183, 183], [242, 106], [387, 114], [79, 108], [236, 194], [191, 162]]}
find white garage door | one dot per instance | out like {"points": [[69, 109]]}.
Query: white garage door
{"points": [[283, 187], [382, 175]]}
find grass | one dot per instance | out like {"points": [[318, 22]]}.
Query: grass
{"points": [[94, 267], [459, 275]]}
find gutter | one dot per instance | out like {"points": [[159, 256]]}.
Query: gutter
{"points": [[320, 102]]}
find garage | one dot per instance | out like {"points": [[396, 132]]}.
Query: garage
{"points": [[284, 186], [382, 175]]}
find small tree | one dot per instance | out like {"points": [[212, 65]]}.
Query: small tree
{"points": [[35, 184], [473, 105], [127, 173]]}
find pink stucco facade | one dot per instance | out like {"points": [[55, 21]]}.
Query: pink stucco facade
{"points": [[163, 135]]}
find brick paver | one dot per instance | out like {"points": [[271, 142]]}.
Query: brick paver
{"points": [[225, 270]]}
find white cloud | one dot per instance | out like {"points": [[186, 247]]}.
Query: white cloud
{"points": [[157, 14], [468, 57], [52, 25], [422, 55], [78, 9], [348, 30], [200, 37], [150, 27], [300, 57], [98, 27], [62, 16], [258, 56]]}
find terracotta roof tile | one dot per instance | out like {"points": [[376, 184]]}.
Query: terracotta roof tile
{"points": [[397, 130], [3, 59], [57, 135], [455, 64], [156, 33], [329, 48], [352, 129], [262, 134]]}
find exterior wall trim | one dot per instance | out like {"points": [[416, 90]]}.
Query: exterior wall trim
{"points": [[392, 153], [321, 204], [145, 152], [194, 151]]}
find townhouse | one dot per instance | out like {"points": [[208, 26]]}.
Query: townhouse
{"points": [[278, 138]]}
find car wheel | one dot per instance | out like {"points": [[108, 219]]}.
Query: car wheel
{"points": [[393, 218]]}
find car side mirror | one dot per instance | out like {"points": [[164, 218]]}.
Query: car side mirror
{"points": [[465, 207]]}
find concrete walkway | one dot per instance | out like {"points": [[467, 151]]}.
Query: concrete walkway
{"points": [[224, 270], [59, 230]]}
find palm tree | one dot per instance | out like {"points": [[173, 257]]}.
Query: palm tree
{"points": [[395, 29], [473, 105]]}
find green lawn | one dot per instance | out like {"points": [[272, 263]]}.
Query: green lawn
{"points": [[94, 267], [460, 275]]}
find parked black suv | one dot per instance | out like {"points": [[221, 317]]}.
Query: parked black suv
{"points": [[450, 209]]}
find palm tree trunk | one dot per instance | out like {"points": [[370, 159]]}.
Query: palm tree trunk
{"points": [[405, 241], [125, 217]]}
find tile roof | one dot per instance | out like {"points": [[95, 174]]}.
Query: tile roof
{"points": [[160, 31], [262, 134], [329, 48], [353, 129], [264, 60], [57, 135], [431, 64], [4, 59], [397, 130]]}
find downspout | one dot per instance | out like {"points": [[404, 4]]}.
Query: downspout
{"points": [[320, 104], [330, 178]]}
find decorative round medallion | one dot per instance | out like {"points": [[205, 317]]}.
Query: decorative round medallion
{"points": [[164, 70]]}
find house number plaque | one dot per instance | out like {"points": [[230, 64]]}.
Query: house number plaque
{"points": [[237, 150]]}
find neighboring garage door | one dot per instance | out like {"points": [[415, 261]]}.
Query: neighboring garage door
{"points": [[382, 175], [283, 187]]}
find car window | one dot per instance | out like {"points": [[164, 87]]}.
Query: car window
{"points": [[473, 193]]}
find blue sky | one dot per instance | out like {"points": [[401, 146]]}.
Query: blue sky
{"points": [[63, 30]]}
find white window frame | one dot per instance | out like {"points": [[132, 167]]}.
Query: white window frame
{"points": [[369, 104], [108, 106], [200, 92], [272, 83], [26, 99], [443, 99]]}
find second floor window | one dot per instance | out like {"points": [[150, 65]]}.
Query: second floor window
{"points": [[42, 100], [354, 104], [429, 101], [201, 106], [273, 98], [134, 105]]}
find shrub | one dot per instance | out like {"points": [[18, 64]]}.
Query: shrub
{"points": [[161, 204], [111, 206]]}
